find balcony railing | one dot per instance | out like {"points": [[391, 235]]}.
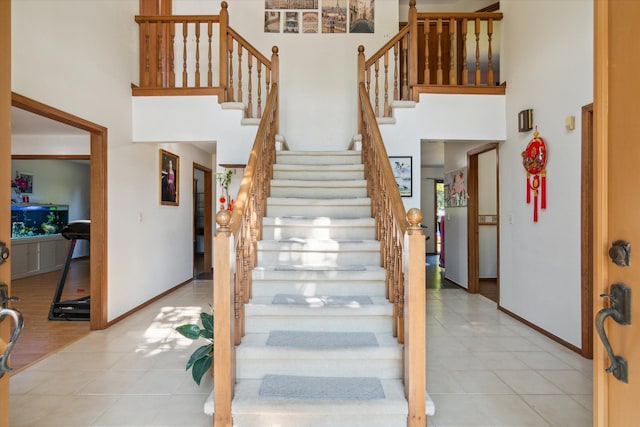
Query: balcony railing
{"points": [[203, 55], [433, 53]]}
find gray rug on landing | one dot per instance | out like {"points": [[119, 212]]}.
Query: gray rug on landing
{"points": [[309, 339], [322, 300], [321, 388]]}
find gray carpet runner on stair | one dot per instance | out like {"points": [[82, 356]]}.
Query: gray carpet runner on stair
{"points": [[321, 388], [319, 340], [321, 301]]}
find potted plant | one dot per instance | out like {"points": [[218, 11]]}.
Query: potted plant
{"points": [[201, 359]]}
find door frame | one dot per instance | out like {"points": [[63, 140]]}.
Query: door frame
{"points": [[586, 231], [473, 227], [208, 221], [98, 200]]}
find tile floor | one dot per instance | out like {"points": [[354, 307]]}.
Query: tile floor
{"points": [[484, 369]]}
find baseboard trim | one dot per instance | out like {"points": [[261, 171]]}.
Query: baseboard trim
{"points": [[147, 303], [542, 331]]}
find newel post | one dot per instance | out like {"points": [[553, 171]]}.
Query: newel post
{"points": [[413, 50], [415, 345], [223, 322], [361, 78], [224, 49], [275, 78]]}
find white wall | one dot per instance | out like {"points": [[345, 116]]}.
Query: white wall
{"points": [[83, 62], [551, 72]]}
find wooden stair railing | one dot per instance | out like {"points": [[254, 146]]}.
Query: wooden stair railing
{"points": [[235, 250], [203, 55], [430, 55], [402, 251]]}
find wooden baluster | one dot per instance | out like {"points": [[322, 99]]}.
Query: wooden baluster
{"points": [[452, 62], [230, 91], [405, 65], [490, 53], [387, 112], [259, 107], [159, 67], [147, 61], [477, 30], [376, 105], [465, 70], [439, 41], [172, 71], [427, 70], [267, 80], [210, 55], [223, 52], [184, 53], [240, 51], [396, 77], [197, 77], [249, 86]]}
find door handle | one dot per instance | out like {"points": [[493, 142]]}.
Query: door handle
{"points": [[620, 311], [19, 322]]}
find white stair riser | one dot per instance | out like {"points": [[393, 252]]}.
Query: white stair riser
{"points": [[318, 211], [319, 192], [318, 175], [318, 288], [324, 258], [321, 367], [343, 275], [363, 419], [281, 232], [260, 324]]}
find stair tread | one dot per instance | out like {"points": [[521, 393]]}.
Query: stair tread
{"points": [[318, 221], [255, 346], [247, 399], [263, 305], [348, 167]]}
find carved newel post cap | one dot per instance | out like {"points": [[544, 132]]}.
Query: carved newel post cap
{"points": [[360, 49], [414, 216], [223, 218], [274, 50], [224, 5]]}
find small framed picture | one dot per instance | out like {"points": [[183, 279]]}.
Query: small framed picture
{"points": [[27, 183], [401, 166], [169, 173]]}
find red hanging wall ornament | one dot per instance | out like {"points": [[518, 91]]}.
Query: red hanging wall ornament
{"points": [[534, 160]]}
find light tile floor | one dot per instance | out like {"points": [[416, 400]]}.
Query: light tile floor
{"points": [[484, 369]]}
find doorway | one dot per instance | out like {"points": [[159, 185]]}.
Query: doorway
{"points": [[98, 200], [202, 222], [483, 221]]}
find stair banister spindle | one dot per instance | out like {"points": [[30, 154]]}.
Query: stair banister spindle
{"points": [[185, 32], [465, 71], [427, 71], [231, 91], [259, 90], [452, 62], [439, 43], [209, 54], [396, 76], [490, 53], [159, 56], [387, 112], [172, 41], [412, 57], [477, 31], [147, 48], [197, 72], [376, 106], [249, 86]]}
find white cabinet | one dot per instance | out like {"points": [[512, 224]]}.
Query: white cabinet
{"points": [[36, 255]]}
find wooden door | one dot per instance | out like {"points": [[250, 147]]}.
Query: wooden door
{"points": [[616, 202], [5, 178]]}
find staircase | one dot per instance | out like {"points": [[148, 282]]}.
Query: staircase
{"points": [[318, 349]]}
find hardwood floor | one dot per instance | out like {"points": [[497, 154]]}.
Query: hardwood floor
{"points": [[41, 336], [489, 289]]}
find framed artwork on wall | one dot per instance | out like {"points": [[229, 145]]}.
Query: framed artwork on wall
{"points": [[27, 180], [169, 173], [455, 188], [402, 168]]}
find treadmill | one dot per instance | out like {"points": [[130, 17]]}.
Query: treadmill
{"points": [[77, 309]]}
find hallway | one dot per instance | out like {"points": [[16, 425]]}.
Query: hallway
{"points": [[484, 369]]}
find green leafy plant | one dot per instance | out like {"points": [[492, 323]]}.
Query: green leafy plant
{"points": [[201, 359]]}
